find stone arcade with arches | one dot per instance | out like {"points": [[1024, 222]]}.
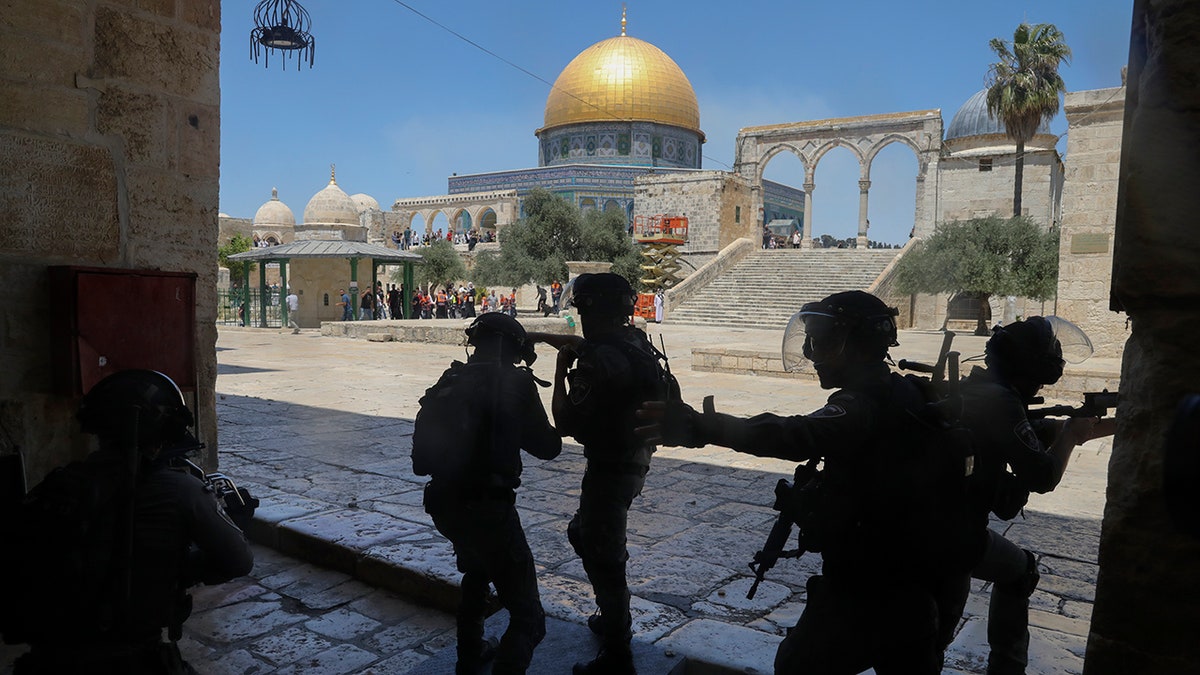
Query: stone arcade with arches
{"points": [[863, 136]]}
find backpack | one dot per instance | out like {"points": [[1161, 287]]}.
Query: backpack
{"points": [[446, 441], [68, 547]]}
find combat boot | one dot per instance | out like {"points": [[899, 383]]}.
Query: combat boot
{"points": [[616, 660], [472, 661]]}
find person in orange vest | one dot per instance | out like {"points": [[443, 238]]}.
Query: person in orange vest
{"points": [[512, 303], [440, 304], [556, 291]]}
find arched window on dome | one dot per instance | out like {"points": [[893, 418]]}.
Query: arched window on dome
{"points": [[587, 204], [611, 205]]}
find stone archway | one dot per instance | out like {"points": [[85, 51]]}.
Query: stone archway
{"points": [[864, 136], [502, 203]]}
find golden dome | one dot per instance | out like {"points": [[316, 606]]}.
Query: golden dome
{"points": [[622, 78]]}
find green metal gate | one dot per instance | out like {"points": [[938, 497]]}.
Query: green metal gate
{"points": [[232, 309]]}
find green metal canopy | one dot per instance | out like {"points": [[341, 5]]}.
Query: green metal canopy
{"points": [[331, 248]]}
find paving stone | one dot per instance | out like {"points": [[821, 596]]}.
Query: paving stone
{"points": [[337, 660], [405, 662], [305, 578], [355, 529], [336, 596], [417, 630], [237, 590], [731, 646], [291, 645], [343, 624], [385, 607], [708, 541], [243, 620], [239, 661], [655, 526]]}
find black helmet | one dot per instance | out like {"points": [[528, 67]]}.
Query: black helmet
{"points": [[162, 418], [602, 293], [823, 329], [497, 325], [1036, 348]]}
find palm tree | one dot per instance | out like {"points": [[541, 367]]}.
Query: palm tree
{"points": [[1023, 87]]}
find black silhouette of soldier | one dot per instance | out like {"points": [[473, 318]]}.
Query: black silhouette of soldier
{"points": [[615, 370], [1013, 457], [181, 534], [883, 584], [472, 500]]}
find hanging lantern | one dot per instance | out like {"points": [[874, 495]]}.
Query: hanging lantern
{"points": [[282, 25]]}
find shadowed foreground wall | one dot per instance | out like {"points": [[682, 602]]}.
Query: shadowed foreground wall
{"points": [[1148, 589], [109, 157]]}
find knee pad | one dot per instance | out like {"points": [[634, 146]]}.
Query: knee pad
{"points": [[1027, 583]]}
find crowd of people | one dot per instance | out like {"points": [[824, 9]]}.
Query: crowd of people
{"points": [[441, 302], [409, 240]]}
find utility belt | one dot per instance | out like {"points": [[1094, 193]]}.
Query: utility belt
{"points": [[441, 495], [606, 468]]}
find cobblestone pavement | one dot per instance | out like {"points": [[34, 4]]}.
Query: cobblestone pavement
{"points": [[320, 427]]}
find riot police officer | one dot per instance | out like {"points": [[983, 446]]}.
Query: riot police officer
{"points": [[875, 516], [180, 534], [616, 368], [472, 498], [1013, 457]]}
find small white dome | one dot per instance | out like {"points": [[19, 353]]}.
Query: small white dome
{"points": [[365, 203], [274, 212], [331, 206]]}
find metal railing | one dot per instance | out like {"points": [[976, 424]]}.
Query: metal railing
{"points": [[230, 308]]}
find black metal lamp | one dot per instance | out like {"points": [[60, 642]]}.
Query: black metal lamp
{"points": [[282, 25]]}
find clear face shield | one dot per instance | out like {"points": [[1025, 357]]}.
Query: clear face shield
{"points": [[812, 335], [1074, 345], [568, 294]]}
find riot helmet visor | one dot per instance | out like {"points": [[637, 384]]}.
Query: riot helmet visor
{"points": [[1073, 343]]}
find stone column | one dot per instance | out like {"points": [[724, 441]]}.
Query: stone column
{"points": [[806, 241], [863, 187], [1146, 608]]}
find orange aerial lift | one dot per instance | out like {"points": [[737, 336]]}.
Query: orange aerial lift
{"points": [[660, 237]]}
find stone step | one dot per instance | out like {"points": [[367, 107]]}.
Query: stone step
{"points": [[766, 288]]}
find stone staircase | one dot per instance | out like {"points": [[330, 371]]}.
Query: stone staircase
{"points": [[767, 287]]}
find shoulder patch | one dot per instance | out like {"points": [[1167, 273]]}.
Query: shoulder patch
{"points": [[1025, 433], [830, 410], [580, 388]]}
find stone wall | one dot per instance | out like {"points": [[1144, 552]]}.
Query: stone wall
{"points": [[965, 192], [110, 142], [1089, 217], [1146, 606], [717, 204]]}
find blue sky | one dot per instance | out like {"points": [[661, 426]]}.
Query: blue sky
{"points": [[399, 104]]}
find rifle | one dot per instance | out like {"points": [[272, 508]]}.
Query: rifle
{"points": [[785, 504], [236, 501], [1095, 404]]}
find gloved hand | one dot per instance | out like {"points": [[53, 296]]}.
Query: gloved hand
{"points": [[675, 423], [241, 511]]}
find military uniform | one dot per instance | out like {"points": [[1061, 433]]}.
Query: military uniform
{"points": [[182, 536], [613, 376], [1003, 437], [476, 512], [888, 567]]}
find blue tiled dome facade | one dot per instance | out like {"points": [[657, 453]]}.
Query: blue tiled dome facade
{"points": [[972, 119]]}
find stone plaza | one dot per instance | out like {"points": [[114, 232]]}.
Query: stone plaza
{"points": [[353, 578]]}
